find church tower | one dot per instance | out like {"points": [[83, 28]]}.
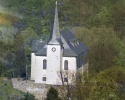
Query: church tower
{"points": [[54, 53]]}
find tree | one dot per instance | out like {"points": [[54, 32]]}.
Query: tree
{"points": [[28, 96], [52, 94], [109, 84], [102, 42], [82, 87], [67, 79]]}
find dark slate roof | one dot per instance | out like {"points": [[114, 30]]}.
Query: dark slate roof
{"points": [[68, 53], [68, 36], [60, 41], [37, 45], [41, 52], [73, 39]]}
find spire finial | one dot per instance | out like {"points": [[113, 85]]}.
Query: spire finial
{"points": [[56, 2]]}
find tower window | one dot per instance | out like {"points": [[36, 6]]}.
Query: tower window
{"points": [[65, 80], [66, 65], [44, 64], [44, 78]]}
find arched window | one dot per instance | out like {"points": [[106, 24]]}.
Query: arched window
{"points": [[44, 64], [66, 65]]}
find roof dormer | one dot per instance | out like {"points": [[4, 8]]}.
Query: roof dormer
{"points": [[74, 42]]}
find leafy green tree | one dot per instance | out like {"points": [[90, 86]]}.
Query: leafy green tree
{"points": [[19, 51], [103, 47], [82, 87], [118, 14], [109, 84], [119, 60], [106, 85]]}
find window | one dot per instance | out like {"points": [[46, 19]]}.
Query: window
{"points": [[44, 64], [72, 44], [44, 78], [77, 42], [65, 80], [66, 65]]}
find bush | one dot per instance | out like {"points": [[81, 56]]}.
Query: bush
{"points": [[28, 96], [52, 94]]}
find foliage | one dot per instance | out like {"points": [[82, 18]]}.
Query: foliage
{"points": [[109, 84], [119, 60], [76, 13], [99, 24], [28, 96], [102, 21], [106, 85], [82, 88], [103, 47], [7, 92], [52, 94], [6, 19]]}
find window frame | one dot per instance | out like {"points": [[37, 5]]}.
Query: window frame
{"points": [[65, 79], [66, 65], [44, 64], [44, 79]]}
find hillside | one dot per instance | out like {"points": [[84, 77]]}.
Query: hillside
{"points": [[6, 27], [98, 24], [7, 92], [7, 19], [3, 20]]}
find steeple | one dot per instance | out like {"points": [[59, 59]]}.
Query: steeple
{"points": [[56, 32]]}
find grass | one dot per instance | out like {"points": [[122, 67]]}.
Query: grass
{"points": [[7, 92]]}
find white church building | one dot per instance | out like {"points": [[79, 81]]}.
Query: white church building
{"points": [[53, 61]]}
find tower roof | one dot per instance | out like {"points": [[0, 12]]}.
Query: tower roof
{"points": [[56, 31]]}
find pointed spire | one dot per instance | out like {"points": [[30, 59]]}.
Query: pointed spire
{"points": [[56, 31]]}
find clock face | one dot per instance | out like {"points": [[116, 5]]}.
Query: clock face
{"points": [[53, 49]]}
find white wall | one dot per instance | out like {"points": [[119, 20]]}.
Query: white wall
{"points": [[33, 65], [72, 68], [40, 72], [53, 64]]}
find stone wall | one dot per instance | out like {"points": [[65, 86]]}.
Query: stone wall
{"points": [[39, 90]]}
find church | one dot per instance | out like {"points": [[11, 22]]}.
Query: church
{"points": [[53, 61]]}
